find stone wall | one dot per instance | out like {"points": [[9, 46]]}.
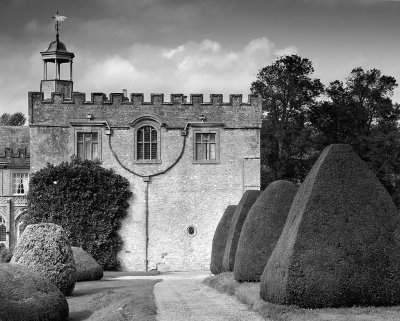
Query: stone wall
{"points": [[187, 194]]}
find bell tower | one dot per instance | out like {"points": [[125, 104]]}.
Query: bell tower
{"points": [[56, 54]]}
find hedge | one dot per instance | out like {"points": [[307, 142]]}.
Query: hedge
{"points": [[219, 240], [262, 229], [340, 244], [245, 203]]}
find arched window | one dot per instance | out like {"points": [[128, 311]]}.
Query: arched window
{"points": [[147, 143], [3, 230]]}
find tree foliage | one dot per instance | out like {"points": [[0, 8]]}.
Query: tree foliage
{"points": [[87, 200], [16, 119], [288, 91], [360, 112]]}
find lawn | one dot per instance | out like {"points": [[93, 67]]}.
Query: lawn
{"points": [[113, 299], [248, 293]]}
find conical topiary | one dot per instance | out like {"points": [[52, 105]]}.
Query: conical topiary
{"points": [[219, 240], [261, 230], [87, 268], [340, 244], [46, 248], [27, 295], [246, 202]]}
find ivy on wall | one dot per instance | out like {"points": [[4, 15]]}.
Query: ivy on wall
{"points": [[87, 200]]}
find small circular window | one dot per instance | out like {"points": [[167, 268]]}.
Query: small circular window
{"points": [[191, 230]]}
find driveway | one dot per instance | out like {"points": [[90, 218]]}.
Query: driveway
{"points": [[183, 296]]}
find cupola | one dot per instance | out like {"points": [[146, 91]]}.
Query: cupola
{"points": [[57, 54]]}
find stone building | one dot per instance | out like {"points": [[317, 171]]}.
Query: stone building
{"points": [[186, 159], [14, 177]]}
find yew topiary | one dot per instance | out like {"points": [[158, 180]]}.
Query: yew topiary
{"points": [[219, 240], [87, 269], [341, 242], [27, 295], [262, 229], [246, 202], [87, 200], [45, 248]]}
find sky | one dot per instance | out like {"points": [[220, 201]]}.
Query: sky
{"points": [[192, 46]]}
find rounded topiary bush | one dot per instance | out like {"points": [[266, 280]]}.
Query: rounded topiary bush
{"points": [[219, 240], [340, 245], [45, 248], [87, 269], [262, 229], [245, 203], [27, 295], [87, 200]]}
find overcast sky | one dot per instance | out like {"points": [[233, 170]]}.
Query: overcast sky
{"points": [[192, 46]]}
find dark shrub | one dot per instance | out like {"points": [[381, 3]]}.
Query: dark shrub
{"points": [[219, 240], [87, 200], [262, 229], [87, 269], [246, 202], [27, 295], [340, 244]]}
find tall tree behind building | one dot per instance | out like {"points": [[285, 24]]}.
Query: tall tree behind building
{"points": [[360, 112], [16, 119], [288, 91]]}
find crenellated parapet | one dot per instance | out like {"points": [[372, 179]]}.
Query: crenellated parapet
{"points": [[119, 110], [14, 158], [138, 99]]}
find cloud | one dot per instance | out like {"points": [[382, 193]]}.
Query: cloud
{"points": [[192, 67]]}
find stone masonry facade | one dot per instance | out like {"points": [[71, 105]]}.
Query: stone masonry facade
{"points": [[178, 198], [14, 178]]}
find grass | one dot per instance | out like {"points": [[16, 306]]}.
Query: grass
{"points": [[115, 300], [248, 293]]}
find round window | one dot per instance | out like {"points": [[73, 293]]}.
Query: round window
{"points": [[191, 230]]}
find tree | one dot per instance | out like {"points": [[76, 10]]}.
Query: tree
{"points": [[288, 91], [87, 200], [16, 119], [360, 112]]}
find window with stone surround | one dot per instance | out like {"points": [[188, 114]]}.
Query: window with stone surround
{"points": [[3, 230], [20, 183], [206, 146], [147, 142], [87, 145]]}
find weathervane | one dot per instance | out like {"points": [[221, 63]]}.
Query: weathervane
{"points": [[57, 18]]}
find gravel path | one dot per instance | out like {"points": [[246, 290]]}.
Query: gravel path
{"points": [[188, 299]]}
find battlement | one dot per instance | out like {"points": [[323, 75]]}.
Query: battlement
{"points": [[138, 99], [8, 153]]}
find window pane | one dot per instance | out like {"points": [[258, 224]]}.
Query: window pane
{"points": [[139, 151], [146, 150], [154, 151], [212, 151], [140, 135], [3, 234], [80, 149], [80, 137], [87, 149], [212, 138], [147, 133], [153, 135], [198, 138], [94, 137], [206, 137], [198, 152], [94, 150]]}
